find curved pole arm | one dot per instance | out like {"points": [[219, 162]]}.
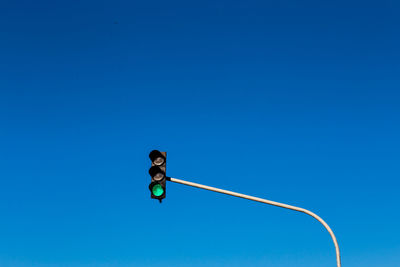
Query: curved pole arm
{"points": [[269, 202]]}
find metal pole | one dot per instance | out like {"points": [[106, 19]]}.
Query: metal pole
{"points": [[266, 202]]}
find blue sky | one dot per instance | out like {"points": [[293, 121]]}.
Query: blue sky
{"points": [[294, 101]]}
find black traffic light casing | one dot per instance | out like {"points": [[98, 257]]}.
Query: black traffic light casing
{"points": [[157, 172]]}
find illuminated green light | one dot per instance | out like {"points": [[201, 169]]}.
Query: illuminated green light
{"points": [[157, 190]]}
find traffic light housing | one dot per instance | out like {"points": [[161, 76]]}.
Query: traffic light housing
{"points": [[157, 172]]}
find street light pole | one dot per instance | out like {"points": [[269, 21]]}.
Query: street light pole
{"points": [[269, 202]]}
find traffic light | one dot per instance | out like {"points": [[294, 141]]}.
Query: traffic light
{"points": [[157, 172]]}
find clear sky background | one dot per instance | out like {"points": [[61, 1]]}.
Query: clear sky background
{"points": [[294, 101]]}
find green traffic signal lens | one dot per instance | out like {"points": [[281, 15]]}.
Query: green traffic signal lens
{"points": [[157, 190]]}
